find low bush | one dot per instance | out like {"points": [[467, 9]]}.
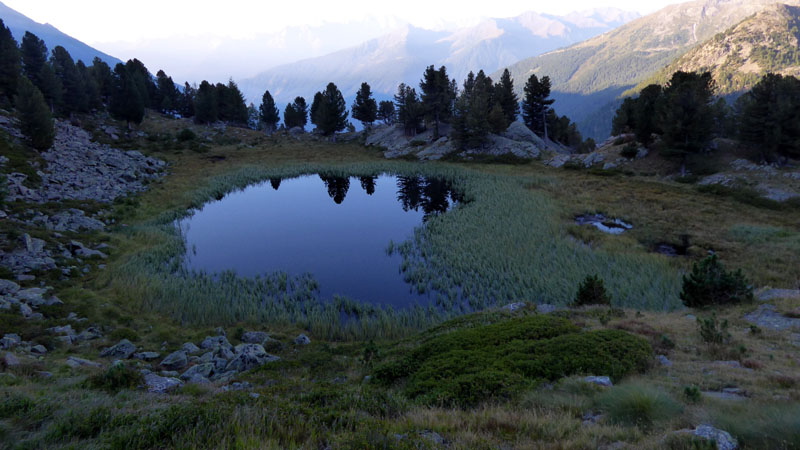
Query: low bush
{"points": [[468, 366], [629, 151], [638, 404], [713, 332], [186, 135], [592, 291], [116, 378], [710, 284], [124, 333]]}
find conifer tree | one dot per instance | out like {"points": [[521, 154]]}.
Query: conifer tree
{"points": [[497, 119], [769, 117], [471, 122], [51, 87], [89, 86], [623, 121], [34, 57], [507, 98], [103, 78], [536, 104], [269, 112], [646, 113], [296, 114], [74, 98], [437, 97], [386, 112], [36, 123], [9, 64], [365, 108], [410, 111], [167, 98], [143, 81], [186, 100], [686, 114], [205, 104], [230, 103], [315, 107], [331, 114], [126, 100]]}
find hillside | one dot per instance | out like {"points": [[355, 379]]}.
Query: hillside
{"points": [[402, 55], [739, 57], [597, 71], [19, 24]]}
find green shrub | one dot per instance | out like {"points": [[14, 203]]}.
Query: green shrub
{"points": [[760, 426], [467, 366], [124, 333], [116, 378], [712, 332], [592, 291], [692, 394], [638, 404], [629, 151], [186, 135], [710, 284]]}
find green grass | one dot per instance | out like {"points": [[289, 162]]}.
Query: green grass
{"points": [[762, 426], [503, 244], [638, 404]]}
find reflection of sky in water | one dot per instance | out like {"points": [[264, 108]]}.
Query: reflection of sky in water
{"points": [[329, 227]]}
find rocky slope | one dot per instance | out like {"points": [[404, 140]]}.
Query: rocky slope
{"points": [[588, 76], [740, 56]]}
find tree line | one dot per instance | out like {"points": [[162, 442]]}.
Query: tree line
{"points": [[685, 116]]}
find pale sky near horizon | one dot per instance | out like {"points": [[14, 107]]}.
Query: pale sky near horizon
{"points": [[98, 21]]}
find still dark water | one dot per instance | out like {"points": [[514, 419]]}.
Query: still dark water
{"points": [[337, 229]]}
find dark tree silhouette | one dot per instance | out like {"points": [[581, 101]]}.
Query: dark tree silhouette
{"points": [[337, 187]]}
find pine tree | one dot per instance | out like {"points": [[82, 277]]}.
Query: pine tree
{"points": [[315, 107], [507, 98], [296, 114], [230, 103], [365, 108], [686, 115], [623, 121], [9, 64], [205, 104], [126, 100], [143, 81], [645, 113], [74, 98], [331, 114], [436, 96], [34, 57], [471, 122], [769, 119], [103, 78], [186, 100], [410, 111], [36, 123], [89, 86], [386, 112], [497, 119], [536, 104], [51, 87], [167, 98], [269, 112]]}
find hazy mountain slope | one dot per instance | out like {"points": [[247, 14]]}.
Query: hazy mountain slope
{"points": [[401, 56], [590, 75], [739, 57], [19, 24]]}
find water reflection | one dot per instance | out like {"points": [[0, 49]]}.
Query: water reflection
{"points": [[337, 187], [275, 182], [431, 195], [368, 184]]}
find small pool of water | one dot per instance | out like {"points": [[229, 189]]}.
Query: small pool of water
{"points": [[337, 229]]}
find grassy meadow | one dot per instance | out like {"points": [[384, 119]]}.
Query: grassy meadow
{"points": [[460, 373]]}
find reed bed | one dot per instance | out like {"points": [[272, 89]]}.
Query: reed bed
{"points": [[503, 243]]}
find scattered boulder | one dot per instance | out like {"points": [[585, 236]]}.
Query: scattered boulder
{"points": [[769, 294], [8, 287], [767, 316], [250, 356], [255, 337], [175, 361], [38, 349], [722, 439], [10, 359], [159, 385], [302, 340], [89, 334], [10, 341], [600, 381], [122, 350], [202, 370], [146, 356], [76, 362], [663, 361], [216, 341], [190, 348]]}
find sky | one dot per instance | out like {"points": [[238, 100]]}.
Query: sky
{"points": [[101, 21]]}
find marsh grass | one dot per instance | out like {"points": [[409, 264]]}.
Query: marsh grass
{"points": [[503, 243]]}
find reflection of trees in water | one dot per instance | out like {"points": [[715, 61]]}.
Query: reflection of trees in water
{"points": [[337, 187], [368, 184], [432, 195], [275, 182]]}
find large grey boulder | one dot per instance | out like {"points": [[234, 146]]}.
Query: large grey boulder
{"points": [[767, 316], [249, 356], [8, 287], [723, 439], [190, 348], [123, 350], [600, 381], [302, 340], [159, 385], [255, 337], [203, 370], [211, 342], [175, 361], [10, 359], [75, 362], [517, 131]]}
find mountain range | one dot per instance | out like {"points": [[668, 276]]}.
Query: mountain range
{"points": [[19, 24], [589, 77], [402, 55]]}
